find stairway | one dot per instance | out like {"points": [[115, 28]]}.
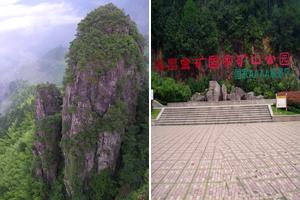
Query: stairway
{"points": [[214, 115]]}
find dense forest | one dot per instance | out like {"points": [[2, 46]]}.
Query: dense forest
{"points": [[196, 28], [24, 171], [17, 129], [190, 27]]}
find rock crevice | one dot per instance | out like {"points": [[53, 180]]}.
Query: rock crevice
{"points": [[46, 150]]}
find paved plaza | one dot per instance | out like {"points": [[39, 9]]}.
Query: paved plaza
{"points": [[233, 161]]}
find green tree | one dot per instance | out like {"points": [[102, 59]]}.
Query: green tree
{"points": [[103, 186], [16, 181]]}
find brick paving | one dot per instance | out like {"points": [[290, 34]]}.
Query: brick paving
{"points": [[233, 161]]}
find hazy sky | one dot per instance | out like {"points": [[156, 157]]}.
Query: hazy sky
{"points": [[29, 28]]}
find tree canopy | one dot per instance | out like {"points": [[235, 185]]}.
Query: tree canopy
{"points": [[192, 27]]}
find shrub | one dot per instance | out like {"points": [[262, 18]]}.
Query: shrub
{"points": [[198, 85], [269, 95], [229, 85], [103, 186], [289, 83], [257, 91], [167, 90]]}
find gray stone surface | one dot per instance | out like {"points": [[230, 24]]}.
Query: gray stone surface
{"points": [[100, 99], [236, 94], [214, 92], [286, 118], [244, 161], [198, 97], [250, 96], [156, 104], [224, 92], [48, 135], [259, 97]]}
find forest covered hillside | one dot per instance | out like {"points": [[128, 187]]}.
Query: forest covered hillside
{"points": [[193, 31], [194, 27], [87, 139]]}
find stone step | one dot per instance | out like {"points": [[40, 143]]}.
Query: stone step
{"points": [[210, 109], [206, 111], [214, 115], [215, 119], [217, 107], [216, 110], [212, 122]]}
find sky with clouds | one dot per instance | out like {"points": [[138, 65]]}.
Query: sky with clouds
{"points": [[30, 28]]}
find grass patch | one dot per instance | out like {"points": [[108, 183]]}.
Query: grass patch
{"points": [[154, 113], [282, 111]]}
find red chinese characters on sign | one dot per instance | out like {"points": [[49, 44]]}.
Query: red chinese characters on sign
{"points": [[213, 62], [240, 60], [172, 64], [284, 59], [198, 62], [255, 59], [227, 61], [270, 60], [185, 63], [159, 65]]}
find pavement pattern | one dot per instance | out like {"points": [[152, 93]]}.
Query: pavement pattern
{"points": [[228, 161]]}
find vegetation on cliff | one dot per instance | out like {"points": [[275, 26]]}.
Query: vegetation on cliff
{"points": [[103, 37], [107, 47], [18, 127], [105, 70]]}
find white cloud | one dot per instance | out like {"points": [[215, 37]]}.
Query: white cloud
{"points": [[15, 16], [27, 31], [8, 2]]}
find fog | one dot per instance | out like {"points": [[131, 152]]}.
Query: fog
{"points": [[29, 29]]}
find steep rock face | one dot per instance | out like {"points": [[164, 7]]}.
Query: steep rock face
{"points": [[46, 150], [101, 88]]}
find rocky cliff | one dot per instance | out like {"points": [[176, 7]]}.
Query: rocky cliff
{"points": [[101, 88], [46, 150]]}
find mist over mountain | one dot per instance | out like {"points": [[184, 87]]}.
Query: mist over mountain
{"points": [[35, 35], [31, 28], [50, 67], [7, 91]]}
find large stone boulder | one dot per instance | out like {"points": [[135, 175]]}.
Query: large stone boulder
{"points": [[250, 96], [224, 92], [259, 97], [101, 89], [236, 94], [46, 151], [214, 92], [198, 97]]}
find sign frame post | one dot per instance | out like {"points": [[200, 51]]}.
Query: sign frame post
{"points": [[281, 102]]}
